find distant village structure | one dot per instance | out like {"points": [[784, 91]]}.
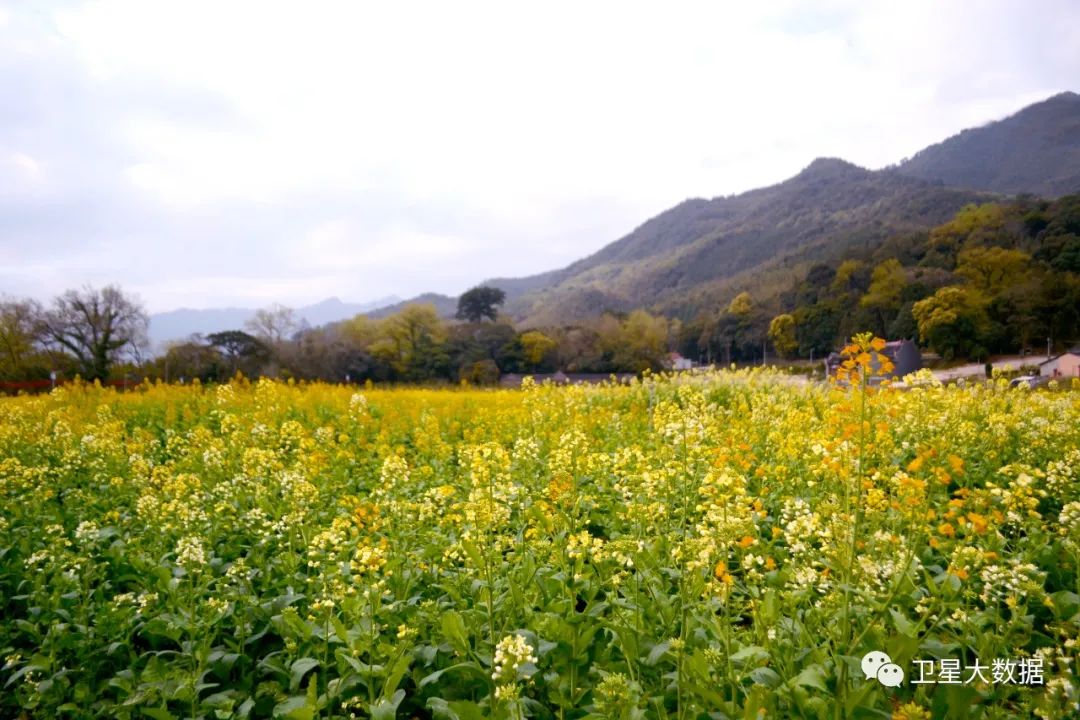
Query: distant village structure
{"points": [[904, 354], [1066, 364], [678, 362]]}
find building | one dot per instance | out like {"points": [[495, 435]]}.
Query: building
{"points": [[1065, 365], [904, 354], [678, 362]]}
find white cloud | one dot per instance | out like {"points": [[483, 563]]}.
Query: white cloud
{"points": [[427, 146]]}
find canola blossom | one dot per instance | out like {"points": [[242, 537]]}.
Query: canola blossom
{"points": [[724, 544]]}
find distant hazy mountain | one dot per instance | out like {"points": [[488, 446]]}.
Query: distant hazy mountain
{"points": [[1035, 151], [179, 324], [445, 305]]}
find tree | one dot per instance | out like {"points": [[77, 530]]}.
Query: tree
{"points": [[642, 343], [243, 352], [536, 347], [991, 270], [741, 305], [20, 333], [191, 358], [850, 275], [817, 326], [412, 341], [883, 297], [782, 334], [951, 321], [479, 302], [272, 324], [96, 326]]}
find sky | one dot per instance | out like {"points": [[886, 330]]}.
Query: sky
{"points": [[208, 154]]}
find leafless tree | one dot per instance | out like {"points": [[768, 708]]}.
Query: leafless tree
{"points": [[98, 327], [273, 324]]}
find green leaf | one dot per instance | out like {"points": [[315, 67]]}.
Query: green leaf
{"points": [[386, 709], [765, 676], [339, 629], [1066, 604], [813, 677], [658, 651], [295, 708], [397, 671], [299, 669], [750, 655], [157, 713], [903, 626], [454, 709], [472, 667], [473, 552], [453, 628]]}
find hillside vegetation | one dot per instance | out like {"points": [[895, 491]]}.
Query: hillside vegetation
{"points": [[997, 277], [682, 260], [1035, 151], [700, 252]]}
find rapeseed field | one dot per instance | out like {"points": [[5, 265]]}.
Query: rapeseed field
{"points": [[717, 545]]}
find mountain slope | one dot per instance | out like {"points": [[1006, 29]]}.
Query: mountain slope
{"points": [[1035, 151], [683, 259], [696, 254]]}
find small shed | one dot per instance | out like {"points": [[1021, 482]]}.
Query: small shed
{"points": [[1066, 364]]}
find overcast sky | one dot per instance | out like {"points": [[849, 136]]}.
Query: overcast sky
{"points": [[241, 153]]}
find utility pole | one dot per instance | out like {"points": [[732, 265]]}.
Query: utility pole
{"points": [[1047, 348]]}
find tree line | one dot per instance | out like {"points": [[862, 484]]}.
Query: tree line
{"points": [[101, 335]]}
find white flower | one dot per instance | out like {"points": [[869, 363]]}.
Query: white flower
{"points": [[190, 553], [512, 652]]}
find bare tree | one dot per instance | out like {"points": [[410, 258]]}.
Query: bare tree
{"points": [[96, 326], [273, 324]]}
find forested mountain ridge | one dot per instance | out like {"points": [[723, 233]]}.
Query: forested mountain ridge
{"points": [[701, 252], [1035, 151], [996, 278], [679, 261]]}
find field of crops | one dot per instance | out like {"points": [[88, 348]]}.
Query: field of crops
{"points": [[724, 545]]}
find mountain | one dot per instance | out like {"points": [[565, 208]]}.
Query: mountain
{"points": [[702, 251], [691, 256], [445, 305], [1035, 151], [179, 324]]}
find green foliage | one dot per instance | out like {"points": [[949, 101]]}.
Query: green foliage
{"points": [[782, 334], [741, 305], [990, 270], [536, 348], [412, 342], [977, 284], [951, 321], [480, 302], [1035, 151]]}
